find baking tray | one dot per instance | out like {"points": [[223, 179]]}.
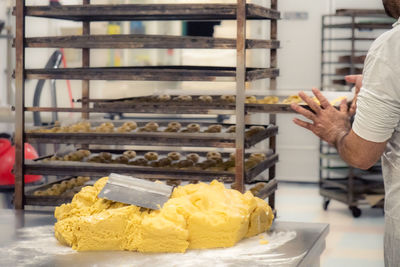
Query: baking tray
{"points": [[68, 168], [133, 41], [147, 104], [149, 12], [151, 73], [31, 199], [223, 140]]}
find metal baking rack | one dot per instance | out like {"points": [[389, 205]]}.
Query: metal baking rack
{"points": [[337, 180], [346, 27], [146, 104], [67, 168], [87, 13], [201, 138]]}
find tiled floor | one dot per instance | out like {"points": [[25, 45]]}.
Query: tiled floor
{"points": [[351, 241]]}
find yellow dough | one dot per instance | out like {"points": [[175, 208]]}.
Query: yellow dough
{"points": [[197, 216]]}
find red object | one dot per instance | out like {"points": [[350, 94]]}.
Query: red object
{"points": [[7, 159]]}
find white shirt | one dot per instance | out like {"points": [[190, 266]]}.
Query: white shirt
{"points": [[378, 110]]}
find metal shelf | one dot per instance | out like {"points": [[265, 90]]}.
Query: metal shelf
{"points": [[360, 26], [361, 186], [223, 140], [66, 168], [341, 63], [146, 104], [227, 110], [344, 51], [360, 13], [153, 73], [144, 41], [150, 12], [349, 39], [30, 199]]}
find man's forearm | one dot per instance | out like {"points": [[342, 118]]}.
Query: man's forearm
{"points": [[358, 152]]}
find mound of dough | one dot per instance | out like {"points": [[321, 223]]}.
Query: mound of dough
{"points": [[197, 216]]}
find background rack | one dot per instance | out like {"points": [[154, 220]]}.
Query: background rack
{"points": [[344, 36], [87, 13], [339, 181]]}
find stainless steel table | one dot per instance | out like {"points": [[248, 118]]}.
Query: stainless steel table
{"points": [[27, 240]]}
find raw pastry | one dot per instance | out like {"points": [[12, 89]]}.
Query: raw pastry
{"points": [[164, 98], [269, 100], [130, 125], [97, 159], [251, 100], [205, 98], [152, 126], [185, 163], [213, 155], [228, 98], [174, 124], [292, 99], [197, 216], [231, 129], [258, 157], [183, 98], [174, 155], [253, 130], [207, 164], [105, 155], [130, 154], [164, 162], [171, 130], [193, 127], [250, 163], [85, 152], [122, 159], [123, 129], [214, 128], [151, 156], [81, 180], [193, 157], [139, 162]]}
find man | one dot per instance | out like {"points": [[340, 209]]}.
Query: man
{"points": [[375, 132]]}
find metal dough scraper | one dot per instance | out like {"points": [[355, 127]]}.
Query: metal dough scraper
{"points": [[138, 192]]}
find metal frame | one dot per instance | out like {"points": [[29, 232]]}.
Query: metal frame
{"points": [[353, 25], [351, 189], [87, 13]]}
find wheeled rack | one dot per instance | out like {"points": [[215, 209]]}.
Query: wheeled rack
{"points": [[87, 13]]}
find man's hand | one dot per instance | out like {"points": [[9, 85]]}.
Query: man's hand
{"points": [[357, 80], [328, 123]]}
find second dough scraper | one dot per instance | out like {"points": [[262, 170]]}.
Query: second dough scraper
{"points": [[134, 191]]}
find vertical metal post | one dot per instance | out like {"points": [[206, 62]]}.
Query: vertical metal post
{"points": [[273, 86], [322, 51], [19, 104], [85, 64], [9, 66], [240, 92], [353, 45]]}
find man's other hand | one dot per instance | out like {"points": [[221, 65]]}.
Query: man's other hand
{"points": [[357, 80], [328, 123]]}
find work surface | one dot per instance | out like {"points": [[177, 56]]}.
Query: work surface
{"points": [[27, 239]]}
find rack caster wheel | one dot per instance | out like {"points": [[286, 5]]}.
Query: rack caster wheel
{"points": [[325, 203], [355, 211]]}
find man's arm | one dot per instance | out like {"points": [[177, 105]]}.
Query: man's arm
{"points": [[359, 152], [333, 126]]}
